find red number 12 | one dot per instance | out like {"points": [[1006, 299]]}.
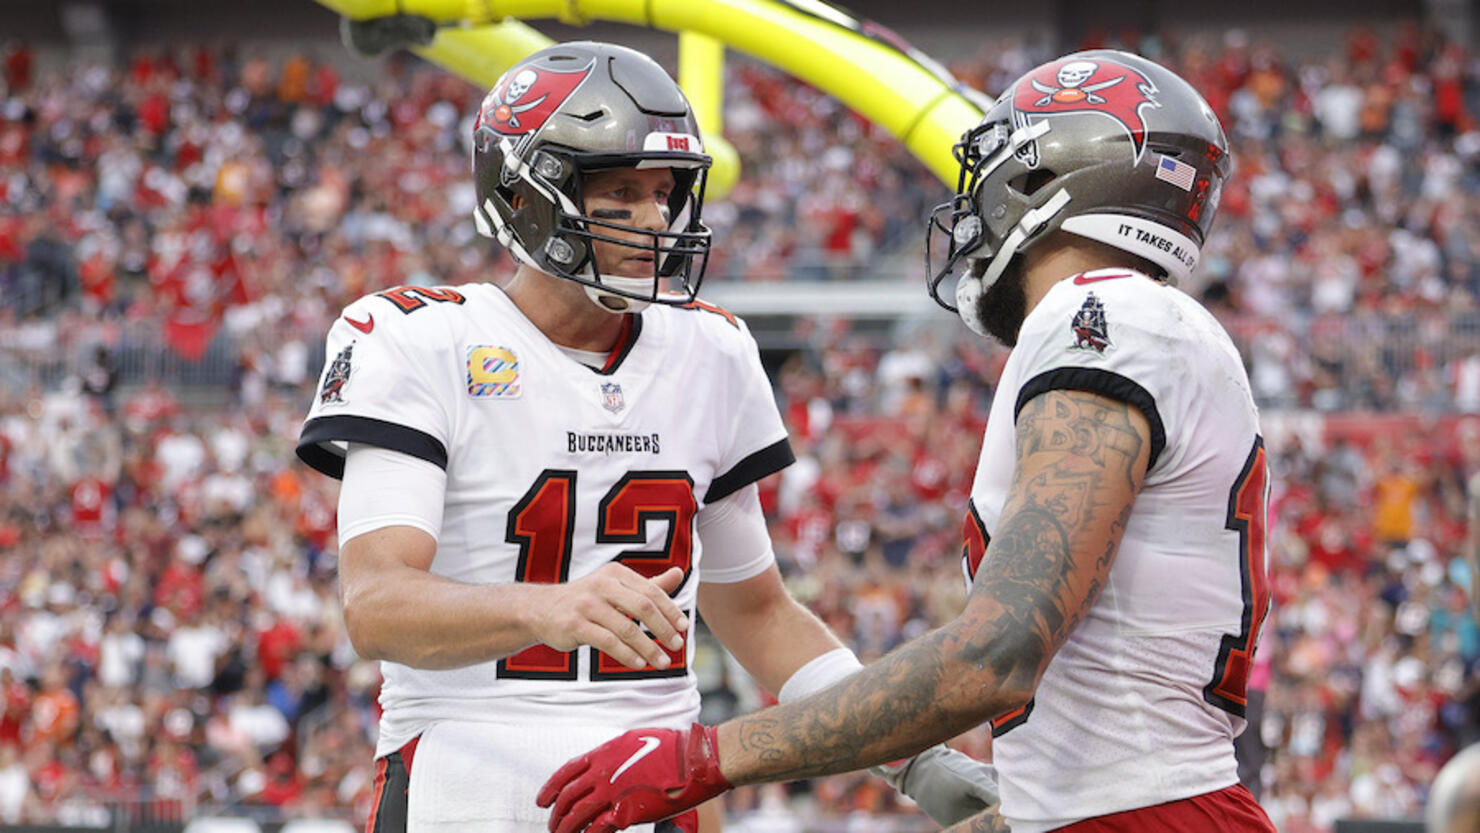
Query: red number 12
{"points": [[542, 524]]}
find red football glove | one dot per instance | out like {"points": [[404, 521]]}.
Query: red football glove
{"points": [[645, 775]]}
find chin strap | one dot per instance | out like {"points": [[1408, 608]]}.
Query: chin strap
{"points": [[970, 288], [612, 302]]}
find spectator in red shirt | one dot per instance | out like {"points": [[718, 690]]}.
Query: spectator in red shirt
{"points": [[277, 645], [17, 708], [54, 712]]}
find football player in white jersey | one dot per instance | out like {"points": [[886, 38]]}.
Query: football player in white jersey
{"points": [[542, 483], [1115, 532]]}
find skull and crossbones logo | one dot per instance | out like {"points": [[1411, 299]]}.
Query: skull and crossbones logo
{"points": [[1072, 89], [507, 111]]}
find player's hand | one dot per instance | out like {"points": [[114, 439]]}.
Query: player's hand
{"points": [[947, 785], [645, 775], [599, 609]]}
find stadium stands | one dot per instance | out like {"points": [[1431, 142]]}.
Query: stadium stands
{"points": [[177, 233]]}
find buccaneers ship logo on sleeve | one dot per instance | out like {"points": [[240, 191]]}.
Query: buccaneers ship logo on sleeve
{"points": [[1088, 326], [1101, 86], [525, 98], [333, 390]]}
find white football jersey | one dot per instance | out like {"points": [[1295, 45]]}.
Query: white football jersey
{"points": [[1142, 703], [554, 468]]}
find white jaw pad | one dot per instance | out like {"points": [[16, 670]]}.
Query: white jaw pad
{"points": [[611, 302], [968, 291]]}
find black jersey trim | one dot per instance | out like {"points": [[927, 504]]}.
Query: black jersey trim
{"points": [[1104, 382], [392, 785], [619, 354], [767, 461], [314, 450], [1006, 723]]}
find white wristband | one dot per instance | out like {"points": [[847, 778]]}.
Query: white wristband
{"points": [[820, 672]]}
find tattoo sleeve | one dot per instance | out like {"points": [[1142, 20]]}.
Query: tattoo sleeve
{"points": [[984, 822], [1080, 459]]}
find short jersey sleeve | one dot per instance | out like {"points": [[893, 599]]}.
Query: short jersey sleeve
{"points": [[755, 444], [1111, 332], [378, 387], [737, 544]]}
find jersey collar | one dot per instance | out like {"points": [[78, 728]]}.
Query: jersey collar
{"points": [[626, 340]]}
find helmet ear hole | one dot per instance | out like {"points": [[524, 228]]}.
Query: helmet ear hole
{"points": [[1031, 182]]}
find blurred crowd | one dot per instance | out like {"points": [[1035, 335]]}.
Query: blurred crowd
{"points": [[169, 630]]}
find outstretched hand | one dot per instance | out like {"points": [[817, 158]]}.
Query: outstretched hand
{"points": [[645, 775], [947, 785], [614, 608]]}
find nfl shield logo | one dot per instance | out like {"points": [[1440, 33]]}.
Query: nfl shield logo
{"points": [[611, 397]]}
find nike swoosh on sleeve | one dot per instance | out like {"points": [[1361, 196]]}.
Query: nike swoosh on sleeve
{"points": [[363, 326], [649, 743], [1082, 279]]}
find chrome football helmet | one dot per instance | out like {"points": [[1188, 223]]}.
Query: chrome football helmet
{"points": [[1103, 144], [558, 116]]}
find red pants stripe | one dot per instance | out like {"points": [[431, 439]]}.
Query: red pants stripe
{"points": [[392, 788], [1229, 810]]}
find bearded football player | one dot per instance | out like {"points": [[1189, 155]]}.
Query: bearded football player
{"points": [[544, 481], [1115, 534]]}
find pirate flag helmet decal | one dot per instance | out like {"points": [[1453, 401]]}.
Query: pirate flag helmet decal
{"points": [[1075, 144], [1076, 85], [524, 100], [555, 118]]}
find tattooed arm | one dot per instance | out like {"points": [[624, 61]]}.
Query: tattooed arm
{"points": [[1080, 459], [984, 822]]}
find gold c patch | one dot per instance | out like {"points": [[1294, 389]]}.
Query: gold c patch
{"points": [[493, 372]]}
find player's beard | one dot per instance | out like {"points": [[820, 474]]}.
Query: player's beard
{"points": [[1003, 306]]}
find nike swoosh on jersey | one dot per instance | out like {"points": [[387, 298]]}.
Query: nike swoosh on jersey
{"points": [[363, 326], [1082, 279], [649, 743]]}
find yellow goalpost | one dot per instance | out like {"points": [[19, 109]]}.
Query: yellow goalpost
{"points": [[859, 63]]}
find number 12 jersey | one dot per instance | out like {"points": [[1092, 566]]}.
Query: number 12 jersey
{"points": [[554, 468]]}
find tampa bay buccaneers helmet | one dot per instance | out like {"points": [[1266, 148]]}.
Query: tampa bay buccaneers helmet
{"points": [[1103, 144], [563, 113]]}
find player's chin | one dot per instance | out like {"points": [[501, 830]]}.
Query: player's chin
{"points": [[635, 267]]}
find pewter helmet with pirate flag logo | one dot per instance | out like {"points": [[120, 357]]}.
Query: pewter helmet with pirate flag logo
{"points": [[1103, 144], [563, 113]]}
